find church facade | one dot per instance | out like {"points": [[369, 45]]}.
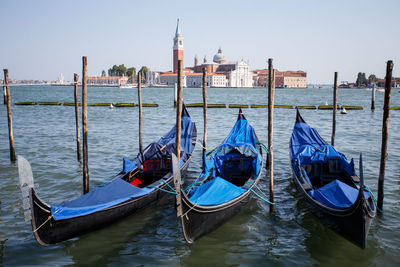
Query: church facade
{"points": [[220, 73]]}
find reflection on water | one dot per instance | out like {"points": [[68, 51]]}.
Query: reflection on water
{"points": [[45, 135]]}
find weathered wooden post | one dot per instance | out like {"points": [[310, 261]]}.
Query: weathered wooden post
{"points": [[84, 127], [334, 109], [205, 111], [271, 88], [140, 109], [175, 94], [10, 128], [373, 98], [385, 133], [78, 133], [5, 94], [177, 180]]}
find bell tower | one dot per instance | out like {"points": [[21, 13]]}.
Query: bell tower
{"points": [[178, 48]]}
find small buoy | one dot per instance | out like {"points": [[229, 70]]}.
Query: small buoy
{"points": [[343, 111], [111, 106]]}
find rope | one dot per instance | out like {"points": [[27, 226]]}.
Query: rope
{"points": [[200, 144], [167, 191], [162, 180], [190, 186], [170, 192], [263, 146], [43, 223], [373, 197], [262, 198]]}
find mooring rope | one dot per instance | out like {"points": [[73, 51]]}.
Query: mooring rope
{"points": [[262, 198], [164, 190], [200, 144], [191, 185], [373, 197], [263, 146]]}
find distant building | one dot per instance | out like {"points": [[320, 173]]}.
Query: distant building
{"points": [[284, 79], [220, 73], [178, 48], [108, 80], [60, 79]]}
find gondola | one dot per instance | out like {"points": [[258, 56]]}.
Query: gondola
{"points": [[230, 173], [142, 182], [329, 183]]}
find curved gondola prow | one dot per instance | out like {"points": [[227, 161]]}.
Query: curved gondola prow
{"points": [[30, 201], [26, 185], [241, 115], [299, 118]]}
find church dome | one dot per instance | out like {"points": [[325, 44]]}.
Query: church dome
{"points": [[219, 57]]}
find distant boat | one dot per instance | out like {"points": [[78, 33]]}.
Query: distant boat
{"points": [[343, 111], [130, 85]]}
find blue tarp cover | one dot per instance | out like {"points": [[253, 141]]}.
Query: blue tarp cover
{"points": [[186, 136], [307, 146], [187, 146], [240, 141], [116, 192], [215, 192], [303, 134], [336, 195]]}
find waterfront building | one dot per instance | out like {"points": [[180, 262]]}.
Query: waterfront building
{"points": [[107, 80], [220, 73], [283, 79]]}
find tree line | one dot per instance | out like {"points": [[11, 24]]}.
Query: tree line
{"points": [[121, 70], [363, 81]]}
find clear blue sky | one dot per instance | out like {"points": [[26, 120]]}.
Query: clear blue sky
{"points": [[40, 39]]}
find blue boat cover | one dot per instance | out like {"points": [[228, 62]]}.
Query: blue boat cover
{"points": [[303, 134], [307, 147], [215, 192], [114, 193], [187, 144], [239, 144], [336, 195]]}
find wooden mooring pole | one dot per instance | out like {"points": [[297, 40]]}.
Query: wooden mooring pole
{"points": [[271, 88], [140, 109], [175, 94], [205, 112], [334, 106], [10, 128], [177, 181], [385, 133], [5, 93], [78, 133], [84, 127], [373, 98]]}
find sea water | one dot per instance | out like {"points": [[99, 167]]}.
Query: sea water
{"points": [[292, 235]]}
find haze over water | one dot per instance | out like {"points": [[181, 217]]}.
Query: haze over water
{"points": [[45, 135]]}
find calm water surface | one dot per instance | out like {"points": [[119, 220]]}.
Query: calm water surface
{"points": [[45, 135]]}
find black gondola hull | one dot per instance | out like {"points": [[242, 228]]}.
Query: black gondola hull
{"points": [[47, 230], [197, 220], [352, 223]]}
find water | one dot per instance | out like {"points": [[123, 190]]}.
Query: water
{"points": [[45, 135]]}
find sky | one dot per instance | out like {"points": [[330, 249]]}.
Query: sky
{"points": [[41, 39]]}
